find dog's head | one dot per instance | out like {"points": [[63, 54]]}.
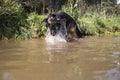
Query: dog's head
{"points": [[52, 24]]}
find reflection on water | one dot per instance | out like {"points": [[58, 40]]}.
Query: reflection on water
{"points": [[87, 59], [113, 74], [7, 76]]}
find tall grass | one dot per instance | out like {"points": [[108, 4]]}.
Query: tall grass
{"points": [[15, 23], [36, 26], [96, 24], [92, 22], [12, 18]]}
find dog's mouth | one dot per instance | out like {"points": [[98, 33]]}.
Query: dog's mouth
{"points": [[53, 33]]}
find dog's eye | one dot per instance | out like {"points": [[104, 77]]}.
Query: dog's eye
{"points": [[52, 17]]}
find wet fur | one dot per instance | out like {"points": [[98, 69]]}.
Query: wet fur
{"points": [[61, 21]]}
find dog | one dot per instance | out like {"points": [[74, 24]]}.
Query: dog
{"points": [[63, 23]]}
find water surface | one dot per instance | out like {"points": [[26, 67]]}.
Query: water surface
{"points": [[95, 58]]}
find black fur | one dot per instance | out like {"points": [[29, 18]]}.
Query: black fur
{"points": [[55, 22], [69, 20]]}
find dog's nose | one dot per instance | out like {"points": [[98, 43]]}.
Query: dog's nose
{"points": [[53, 33]]}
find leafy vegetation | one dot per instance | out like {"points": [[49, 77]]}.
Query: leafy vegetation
{"points": [[12, 19], [15, 23], [36, 26], [22, 19], [95, 24]]}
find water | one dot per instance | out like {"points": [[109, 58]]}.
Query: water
{"points": [[95, 58], [55, 39]]}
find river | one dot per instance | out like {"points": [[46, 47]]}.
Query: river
{"points": [[93, 58]]}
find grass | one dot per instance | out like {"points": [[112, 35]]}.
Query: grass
{"points": [[36, 27], [15, 23], [95, 24]]}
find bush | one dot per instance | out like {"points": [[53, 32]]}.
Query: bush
{"points": [[95, 24], [12, 18], [15, 23], [36, 26]]}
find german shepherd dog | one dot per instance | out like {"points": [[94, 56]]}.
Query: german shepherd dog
{"points": [[63, 23]]}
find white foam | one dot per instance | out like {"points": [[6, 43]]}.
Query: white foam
{"points": [[55, 39]]}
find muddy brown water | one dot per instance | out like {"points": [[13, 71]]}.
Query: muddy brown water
{"points": [[95, 58]]}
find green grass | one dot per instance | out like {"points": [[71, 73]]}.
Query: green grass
{"points": [[36, 26], [96, 24], [12, 18], [15, 23]]}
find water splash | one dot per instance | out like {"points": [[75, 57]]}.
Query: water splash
{"points": [[59, 37], [61, 34]]}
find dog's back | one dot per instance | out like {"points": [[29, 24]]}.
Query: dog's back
{"points": [[70, 24], [63, 15]]}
